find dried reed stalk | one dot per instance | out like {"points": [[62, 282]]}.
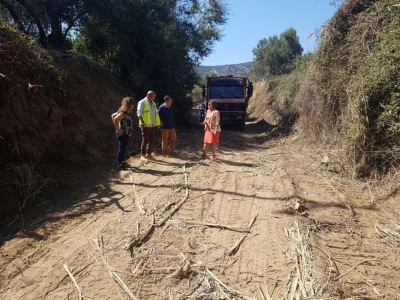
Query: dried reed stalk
{"points": [[240, 239], [181, 271], [364, 261], [138, 200], [232, 293], [113, 274], [302, 285], [81, 297], [261, 292], [166, 217], [137, 267], [393, 235], [138, 240], [228, 227]]}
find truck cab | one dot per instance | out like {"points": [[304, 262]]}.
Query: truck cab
{"points": [[231, 95]]}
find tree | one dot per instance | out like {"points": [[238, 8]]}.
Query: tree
{"points": [[154, 44], [276, 55], [50, 20]]}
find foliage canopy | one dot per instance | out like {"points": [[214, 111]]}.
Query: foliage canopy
{"points": [[154, 45], [276, 55]]}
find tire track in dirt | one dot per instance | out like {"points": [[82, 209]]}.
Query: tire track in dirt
{"points": [[268, 263], [231, 190], [234, 200], [65, 247]]}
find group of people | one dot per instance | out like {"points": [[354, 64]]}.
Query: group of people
{"points": [[150, 118]]}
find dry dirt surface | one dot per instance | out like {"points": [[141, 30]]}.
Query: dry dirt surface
{"points": [[265, 220]]}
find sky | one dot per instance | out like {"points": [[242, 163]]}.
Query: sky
{"points": [[249, 21]]}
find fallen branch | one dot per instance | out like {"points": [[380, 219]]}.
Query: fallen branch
{"points": [[351, 269], [228, 227], [240, 239], [81, 297], [138, 240], [166, 217], [364, 261], [332, 263], [169, 205]]}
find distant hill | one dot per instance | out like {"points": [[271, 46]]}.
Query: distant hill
{"points": [[234, 69]]}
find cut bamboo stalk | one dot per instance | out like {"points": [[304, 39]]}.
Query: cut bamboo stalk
{"points": [[142, 237], [221, 226], [81, 297], [240, 239], [165, 218]]}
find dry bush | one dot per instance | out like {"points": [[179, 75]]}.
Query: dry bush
{"points": [[349, 98], [29, 83], [30, 184]]}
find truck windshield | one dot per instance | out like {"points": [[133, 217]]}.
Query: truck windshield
{"points": [[226, 92]]}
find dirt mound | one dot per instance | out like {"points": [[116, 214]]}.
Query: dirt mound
{"points": [[260, 106]]}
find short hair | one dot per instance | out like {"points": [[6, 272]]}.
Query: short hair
{"points": [[213, 103], [166, 98]]}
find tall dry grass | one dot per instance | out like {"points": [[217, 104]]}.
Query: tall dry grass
{"points": [[349, 98]]}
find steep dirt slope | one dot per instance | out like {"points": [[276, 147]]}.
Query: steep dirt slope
{"points": [[60, 129], [265, 218]]}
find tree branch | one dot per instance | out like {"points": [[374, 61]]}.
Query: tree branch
{"points": [[14, 15], [29, 10]]}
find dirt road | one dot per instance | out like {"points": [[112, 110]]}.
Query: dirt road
{"points": [[265, 220]]}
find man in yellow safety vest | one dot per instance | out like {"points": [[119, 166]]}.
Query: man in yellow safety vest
{"points": [[148, 120]]}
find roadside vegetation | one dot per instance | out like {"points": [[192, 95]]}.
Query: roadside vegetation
{"points": [[347, 93], [153, 45]]}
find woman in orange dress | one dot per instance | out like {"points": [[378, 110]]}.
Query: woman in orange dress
{"points": [[212, 129]]}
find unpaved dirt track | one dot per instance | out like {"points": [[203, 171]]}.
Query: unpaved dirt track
{"points": [[286, 254]]}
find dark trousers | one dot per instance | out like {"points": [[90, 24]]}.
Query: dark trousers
{"points": [[147, 139], [122, 145], [202, 115]]}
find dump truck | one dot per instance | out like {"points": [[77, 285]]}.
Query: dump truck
{"points": [[232, 94]]}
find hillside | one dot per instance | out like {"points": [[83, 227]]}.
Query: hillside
{"points": [[54, 118], [233, 69]]}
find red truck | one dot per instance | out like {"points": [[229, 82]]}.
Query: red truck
{"points": [[232, 95]]}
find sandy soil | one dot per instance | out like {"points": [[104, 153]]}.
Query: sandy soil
{"points": [[265, 220]]}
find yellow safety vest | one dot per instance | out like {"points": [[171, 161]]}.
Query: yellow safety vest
{"points": [[146, 115]]}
